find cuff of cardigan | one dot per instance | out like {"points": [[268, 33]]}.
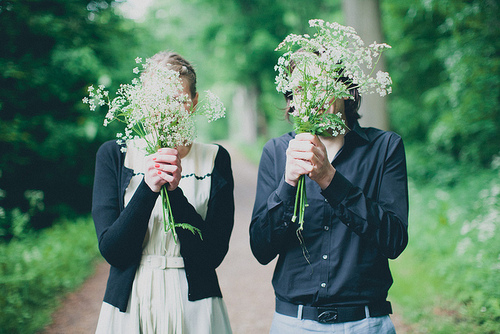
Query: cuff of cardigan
{"points": [[145, 192], [337, 190], [177, 199], [181, 208]]}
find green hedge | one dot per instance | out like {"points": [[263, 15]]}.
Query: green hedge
{"points": [[38, 269]]}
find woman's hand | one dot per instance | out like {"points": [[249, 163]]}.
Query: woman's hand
{"points": [[306, 155], [163, 167]]}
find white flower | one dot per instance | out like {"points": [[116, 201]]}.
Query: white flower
{"points": [[317, 76], [154, 107]]}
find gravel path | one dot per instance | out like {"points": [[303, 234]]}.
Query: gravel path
{"points": [[245, 284]]}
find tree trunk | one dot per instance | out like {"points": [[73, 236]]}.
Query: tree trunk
{"points": [[243, 117], [364, 16]]}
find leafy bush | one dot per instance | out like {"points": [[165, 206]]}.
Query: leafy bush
{"points": [[14, 223], [37, 270], [50, 52], [450, 272], [445, 65]]}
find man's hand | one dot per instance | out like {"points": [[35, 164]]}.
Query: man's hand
{"points": [[306, 155]]}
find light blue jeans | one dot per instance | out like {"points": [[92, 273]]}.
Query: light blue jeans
{"points": [[283, 324]]}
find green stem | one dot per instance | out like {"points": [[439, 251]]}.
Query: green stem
{"points": [[301, 201], [301, 204], [168, 217], [297, 199]]}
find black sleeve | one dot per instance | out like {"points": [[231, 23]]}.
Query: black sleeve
{"points": [[383, 220], [273, 208], [120, 234]]}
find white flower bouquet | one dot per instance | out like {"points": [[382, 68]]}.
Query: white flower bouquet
{"points": [[318, 70], [154, 107]]}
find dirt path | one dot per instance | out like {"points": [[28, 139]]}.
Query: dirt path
{"points": [[246, 285]]}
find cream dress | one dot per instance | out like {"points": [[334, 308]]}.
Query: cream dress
{"points": [[158, 301]]}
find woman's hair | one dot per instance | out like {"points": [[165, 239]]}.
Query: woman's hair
{"points": [[179, 64], [351, 106]]}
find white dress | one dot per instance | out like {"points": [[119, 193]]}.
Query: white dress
{"points": [[158, 301]]}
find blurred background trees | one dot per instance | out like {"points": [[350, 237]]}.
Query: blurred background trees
{"points": [[445, 65], [50, 52]]}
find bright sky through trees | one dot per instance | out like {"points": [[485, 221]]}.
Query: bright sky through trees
{"points": [[135, 9]]}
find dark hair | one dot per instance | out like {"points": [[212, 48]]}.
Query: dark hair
{"points": [[351, 106], [179, 64]]}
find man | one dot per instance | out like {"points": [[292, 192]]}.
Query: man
{"points": [[334, 276]]}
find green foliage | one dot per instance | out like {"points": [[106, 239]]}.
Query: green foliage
{"points": [[37, 270], [232, 43], [50, 52], [450, 273], [445, 64], [14, 223]]}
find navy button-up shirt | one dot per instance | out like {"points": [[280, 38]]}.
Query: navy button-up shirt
{"points": [[351, 228]]}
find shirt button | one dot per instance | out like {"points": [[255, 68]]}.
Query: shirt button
{"points": [[323, 285], [326, 227], [325, 257]]}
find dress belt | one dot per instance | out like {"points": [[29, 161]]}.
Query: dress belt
{"points": [[162, 262], [333, 314]]}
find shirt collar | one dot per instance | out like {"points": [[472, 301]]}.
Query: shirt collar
{"points": [[358, 132]]}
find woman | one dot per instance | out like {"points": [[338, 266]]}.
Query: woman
{"points": [[157, 285]]}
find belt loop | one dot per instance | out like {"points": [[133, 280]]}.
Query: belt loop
{"points": [[367, 311], [299, 312]]}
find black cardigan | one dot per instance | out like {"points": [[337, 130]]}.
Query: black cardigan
{"points": [[121, 230]]}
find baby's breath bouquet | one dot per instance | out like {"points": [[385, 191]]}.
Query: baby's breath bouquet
{"points": [[318, 70], [154, 107]]}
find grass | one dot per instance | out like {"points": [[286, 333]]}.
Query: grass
{"points": [[37, 270], [447, 279]]}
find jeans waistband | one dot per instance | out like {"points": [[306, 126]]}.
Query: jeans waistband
{"points": [[333, 314]]}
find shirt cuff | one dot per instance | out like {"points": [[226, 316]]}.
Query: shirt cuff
{"points": [[286, 193], [337, 190]]}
